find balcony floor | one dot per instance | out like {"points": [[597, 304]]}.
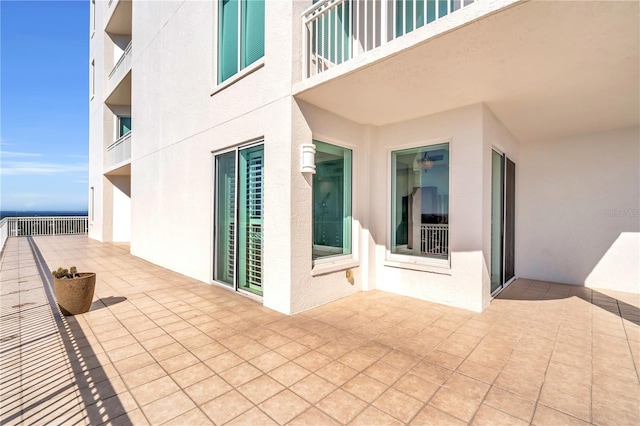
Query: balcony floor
{"points": [[158, 347]]}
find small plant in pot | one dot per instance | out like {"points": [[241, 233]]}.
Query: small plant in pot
{"points": [[74, 291]]}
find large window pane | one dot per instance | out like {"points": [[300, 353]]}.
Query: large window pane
{"points": [[420, 201], [240, 35], [252, 31], [331, 201], [225, 218], [124, 126], [250, 219], [228, 39]]}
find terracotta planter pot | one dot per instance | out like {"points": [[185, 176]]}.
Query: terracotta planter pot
{"points": [[75, 295]]}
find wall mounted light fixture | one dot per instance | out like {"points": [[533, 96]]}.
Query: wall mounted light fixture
{"points": [[308, 158]]}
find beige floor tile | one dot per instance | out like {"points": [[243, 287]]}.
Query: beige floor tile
{"points": [[373, 416], [356, 360], [365, 387], [384, 372], [470, 388], [431, 416], [313, 388], [489, 416], [260, 389], [455, 404], [558, 399], [337, 373], [240, 374], [168, 351], [190, 375], [191, 417], [154, 390], [514, 383], [255, 416], [179, 362], [416, 387], [143, 375], [289, 373], [342, 406], [313, 360], [478, 371], [250, 350], [223, 361], [268, 361], [373, 349], [292, 350], [431, 372], [284, 406], [226, 407], [548, 416], [168, 407], [510, 403], [207, 389], [134, 363], [313, 417], [398, 404]]}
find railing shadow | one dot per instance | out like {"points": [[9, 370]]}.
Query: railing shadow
{"points": [[100, 402], [603, 301]]}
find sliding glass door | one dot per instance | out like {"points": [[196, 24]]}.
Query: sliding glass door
{"points": [[503, 176], [238, 218]]}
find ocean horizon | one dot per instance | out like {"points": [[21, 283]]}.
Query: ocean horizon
{"points": [[41, 213]]}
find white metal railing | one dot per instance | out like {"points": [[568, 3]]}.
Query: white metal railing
{"points": [[45, 225], [123, 65], [335, 31], [4, 232], [434, 239], [119, 151]]}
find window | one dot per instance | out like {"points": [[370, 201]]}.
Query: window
{"points": [[124, 126], [92, 82], [331, 201], [93, 16], [238, 218], [420, 202], [92, 204], [240, 35]]}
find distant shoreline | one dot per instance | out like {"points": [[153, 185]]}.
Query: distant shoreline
{"points": [[41, 213]]}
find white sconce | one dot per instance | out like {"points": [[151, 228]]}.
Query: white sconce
{"points": [[308, 159]]}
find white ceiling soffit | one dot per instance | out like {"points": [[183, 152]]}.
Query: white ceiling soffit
{"points": [[546, 68]]}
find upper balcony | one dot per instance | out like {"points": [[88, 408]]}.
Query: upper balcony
{"points": [[119, 156], [337, 31], [120, 70], [545, 69]]}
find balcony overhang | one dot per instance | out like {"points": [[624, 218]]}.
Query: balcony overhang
{"points": [[546, 69], [121, 94], [119, 170], [119, 18]]}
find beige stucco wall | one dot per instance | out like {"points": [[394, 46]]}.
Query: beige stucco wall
{"points": [[577, 210]]}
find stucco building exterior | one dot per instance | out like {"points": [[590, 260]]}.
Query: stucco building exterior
{"points": [[299, 152]]}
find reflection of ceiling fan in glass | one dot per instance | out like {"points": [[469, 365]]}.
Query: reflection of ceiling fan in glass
{"points": [[423, 162]]}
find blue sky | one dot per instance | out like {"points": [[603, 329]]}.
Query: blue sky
{"points": [[44, 99]]}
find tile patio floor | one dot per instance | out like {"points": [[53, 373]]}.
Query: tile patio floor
{"points": [[160, 348]]}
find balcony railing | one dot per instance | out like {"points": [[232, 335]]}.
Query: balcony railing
{"points": [[434, 239], [45, 225], [336, 31], [119, 151], [122, 66]]}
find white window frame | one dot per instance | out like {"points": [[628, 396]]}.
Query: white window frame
{"points": [[406, 261], [345, 261]]}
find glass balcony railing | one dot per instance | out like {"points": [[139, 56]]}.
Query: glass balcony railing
{"points": [[119, 151]]}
